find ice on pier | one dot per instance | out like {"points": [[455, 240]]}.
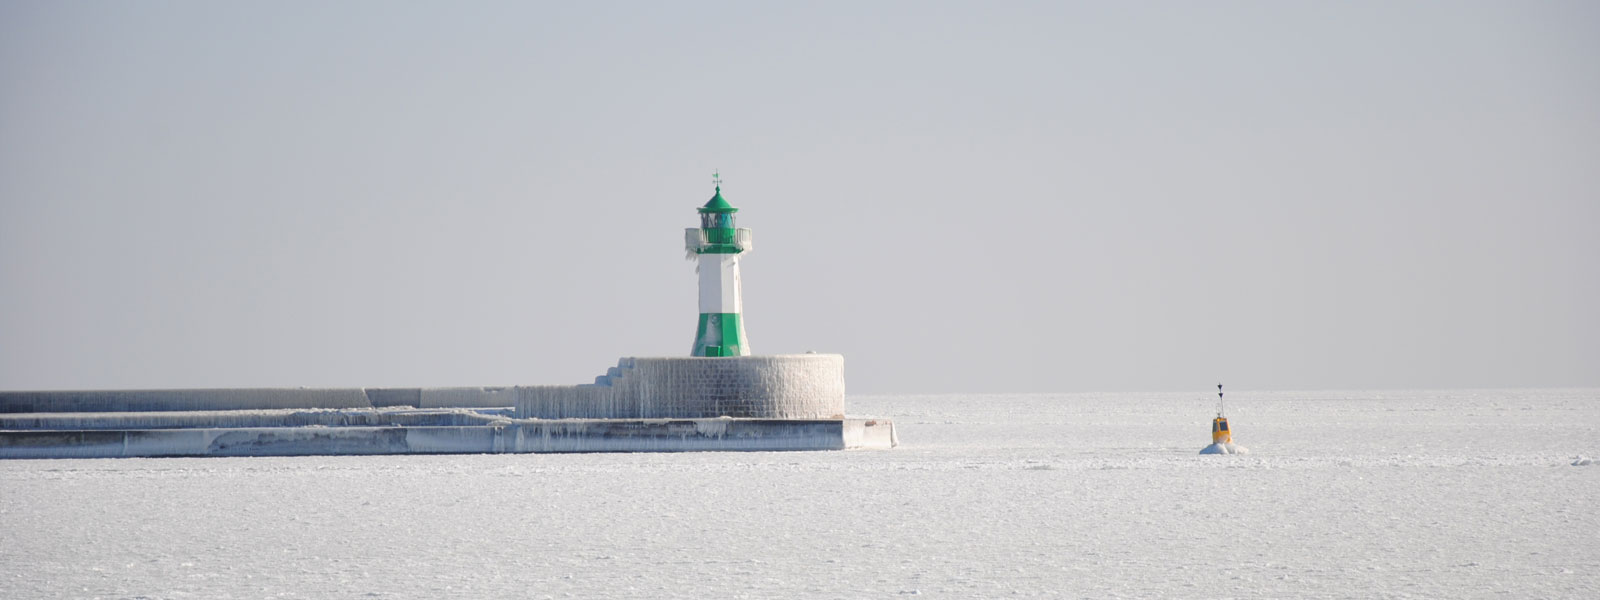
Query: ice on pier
{"points": [[503, 436]]}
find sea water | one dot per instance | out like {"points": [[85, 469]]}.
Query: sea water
{"points": [[1479, 493]]}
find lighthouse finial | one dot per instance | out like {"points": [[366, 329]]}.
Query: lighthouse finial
{"points": [[716, 178]]}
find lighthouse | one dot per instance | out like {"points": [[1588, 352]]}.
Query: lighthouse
{"points": [[716, 244]]}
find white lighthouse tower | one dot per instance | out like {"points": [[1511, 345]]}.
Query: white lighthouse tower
{"points": [[717, 244]]}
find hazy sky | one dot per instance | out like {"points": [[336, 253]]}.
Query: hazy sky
{"points": [[958, 197]]}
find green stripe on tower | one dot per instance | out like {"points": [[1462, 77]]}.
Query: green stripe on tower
{"points": [[719, 334]]}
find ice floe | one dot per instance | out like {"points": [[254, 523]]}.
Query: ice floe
{"points": [[1229, 448]]}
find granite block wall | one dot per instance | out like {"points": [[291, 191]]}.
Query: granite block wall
{"points": [[795, 386]]}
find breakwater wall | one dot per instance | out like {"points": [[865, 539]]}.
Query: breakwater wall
{"points": [[252, 399], [521, 436], [792, 386], [677, 404]]}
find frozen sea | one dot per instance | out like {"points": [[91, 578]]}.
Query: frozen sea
{"points": [[1430, 494]]}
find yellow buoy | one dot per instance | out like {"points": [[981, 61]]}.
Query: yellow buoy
{"points": [[1221, 435], [1219, 431]]}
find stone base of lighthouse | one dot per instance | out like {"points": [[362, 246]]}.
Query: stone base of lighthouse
{"points": [[793, 386]]}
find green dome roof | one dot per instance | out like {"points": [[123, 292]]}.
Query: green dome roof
{"points": [[718, 205]]}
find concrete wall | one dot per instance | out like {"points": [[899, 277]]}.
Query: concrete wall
{"points": [[796, 386], [251, 398], [657, 435]]}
